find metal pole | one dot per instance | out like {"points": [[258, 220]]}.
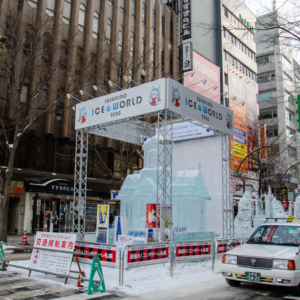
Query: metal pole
{"points": [[214, 256], [120, 267], [123, 265]]}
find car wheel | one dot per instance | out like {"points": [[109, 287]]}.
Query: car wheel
{"points": [[233, 282], [295, 290]]}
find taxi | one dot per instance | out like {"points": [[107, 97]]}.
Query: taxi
{"points": [[271, 256]]}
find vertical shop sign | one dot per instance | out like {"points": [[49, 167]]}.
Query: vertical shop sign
{"points": [[187, 56], [186, 19], [103, 215], [238, 105], [263, 140]]}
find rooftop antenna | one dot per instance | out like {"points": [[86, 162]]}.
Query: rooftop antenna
{"points": [[274, 5]]}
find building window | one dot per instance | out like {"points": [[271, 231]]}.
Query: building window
{"points": [[67, 11], [111, 2], [133, 8], [163, 26], [33, 3], [120, 38], [24, 92], [292, 151], [108, 30], [50, 7], [143, 49], [226, 79], [122, 4], [144, 14], [162, 55], [81, 19], [264, 78], [153, 20], [131, 44], [96, 18], [225, 12], [266, 96], [63, 55]]}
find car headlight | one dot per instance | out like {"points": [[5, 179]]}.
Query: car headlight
{"points": [[229, 259], [284, 264]]}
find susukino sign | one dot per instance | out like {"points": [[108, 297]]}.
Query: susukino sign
{"points": [[151, 97]]}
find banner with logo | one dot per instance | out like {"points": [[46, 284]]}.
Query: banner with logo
{"points": [[187, 102], [204, 69], [237, 102], [193, 250], [102, 215], [142, 99]]}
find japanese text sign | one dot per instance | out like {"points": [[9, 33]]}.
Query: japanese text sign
{"points": [[193, 250]]}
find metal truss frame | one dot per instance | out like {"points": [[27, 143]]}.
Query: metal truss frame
{"points": [[80, 183], [164, 170], [135, 130], [227, 197]]}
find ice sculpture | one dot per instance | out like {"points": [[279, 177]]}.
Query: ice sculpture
{"points": [[260, 215], [189, 196], [243, 220], [297, 208]]}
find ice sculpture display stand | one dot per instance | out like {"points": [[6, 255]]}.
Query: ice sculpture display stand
{"points": [[189, 196], [246, 221]]}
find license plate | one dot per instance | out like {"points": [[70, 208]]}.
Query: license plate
{"points": [[252, 276]]}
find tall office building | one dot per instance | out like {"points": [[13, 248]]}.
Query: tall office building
{"points": [[89, 45], [277, 77]]}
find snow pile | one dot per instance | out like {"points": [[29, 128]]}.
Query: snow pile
{"points": [[137, 280]]}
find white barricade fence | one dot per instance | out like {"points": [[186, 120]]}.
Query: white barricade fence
{"points": [[224, 245], [139, 255]]}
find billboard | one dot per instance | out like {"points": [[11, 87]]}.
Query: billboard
{"points": [[204, 69], [191, 104], [187, 56], [237, 102], [252, 123], [186, 19]]}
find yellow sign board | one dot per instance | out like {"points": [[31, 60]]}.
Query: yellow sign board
{"points": [[239, 153], [239, 146]]}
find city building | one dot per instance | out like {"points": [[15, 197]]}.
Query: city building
{"points": [[278, 74], [90, 48]]}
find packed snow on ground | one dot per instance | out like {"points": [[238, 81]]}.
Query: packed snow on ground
{"points": [[137, 280]]}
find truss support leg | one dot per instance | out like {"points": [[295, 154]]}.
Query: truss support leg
{"points": [[227, 197], [80, 183], [164, 172]]}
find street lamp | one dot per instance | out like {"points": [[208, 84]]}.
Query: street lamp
{"points": [[69, 96], [191, 75], [203, 81], [143, 72], [113, 84], [129, 79], [82, 92], [97, 88]]}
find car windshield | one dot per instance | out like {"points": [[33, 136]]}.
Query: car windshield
{"points": [[276, 235]]}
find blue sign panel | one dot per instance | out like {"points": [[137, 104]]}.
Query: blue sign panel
{"points": [[239, 132], [239, 139]]}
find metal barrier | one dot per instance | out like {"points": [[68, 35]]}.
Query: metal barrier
{"points": [[224, 245], [84, 256], [192, 251], [139, 255]]}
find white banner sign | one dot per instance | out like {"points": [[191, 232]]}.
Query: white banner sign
{"points": [[152, 97], [51, 261], [143, 99], [187, 102]]}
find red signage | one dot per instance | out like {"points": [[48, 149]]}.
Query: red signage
{"points": [[224, 246], [149, 254], [152, 220], [193, 250]]}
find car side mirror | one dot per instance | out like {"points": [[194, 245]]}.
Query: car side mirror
{"points": [[298, 250]]}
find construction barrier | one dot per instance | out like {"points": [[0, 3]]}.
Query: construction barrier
{"points": [[139, 255], [224, 245], [191, 251]]}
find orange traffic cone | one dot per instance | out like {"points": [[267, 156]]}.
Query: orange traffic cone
{"points": [[24, 239]]}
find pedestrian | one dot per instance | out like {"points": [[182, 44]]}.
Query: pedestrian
{"points": [[55, 221], [76, 220]]}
